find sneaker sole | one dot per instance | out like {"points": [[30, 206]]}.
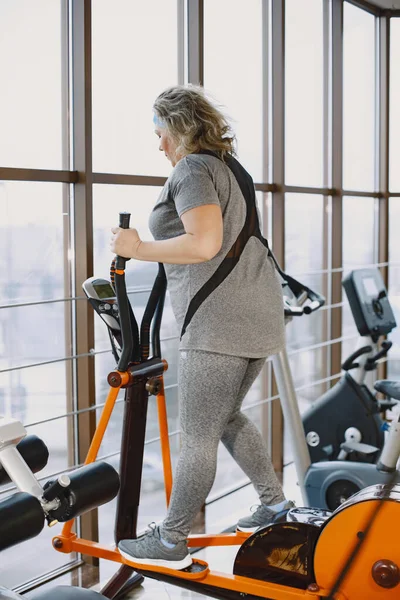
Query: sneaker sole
{"points": [[176, 565], [247, 529]]}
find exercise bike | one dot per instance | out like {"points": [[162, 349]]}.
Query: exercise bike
{"points": [[22, 515], [346, 422], [304, 557]]}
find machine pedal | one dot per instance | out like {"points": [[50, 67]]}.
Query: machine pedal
{"points": [[358, 447], [197, 570]]}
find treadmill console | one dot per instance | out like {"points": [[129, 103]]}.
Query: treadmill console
{"points": [[369, 302]]}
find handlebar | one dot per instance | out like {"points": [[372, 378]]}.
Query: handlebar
{"points": [[135, 345], [298, 299], [349, 362], [372, 360], [129, 328], [124, 219]]}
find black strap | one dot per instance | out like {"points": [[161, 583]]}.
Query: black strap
{"points": [[251, 228]]}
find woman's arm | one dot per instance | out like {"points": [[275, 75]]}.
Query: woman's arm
{"points": [[201, 241]]}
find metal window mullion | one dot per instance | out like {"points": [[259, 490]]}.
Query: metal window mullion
{"points": [[382, 70], [45, 175], [265, 375], [336, 111], [195, 75], [195, 41], [83, 236], [124, 179], [382, 138], [66, 220], [326, 236], [181, 41], [278, 197]]}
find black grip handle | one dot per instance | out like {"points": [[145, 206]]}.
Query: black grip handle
{"points": [[349, 362], [371, 362], [124, 220], [302, 293], [56, 488]]}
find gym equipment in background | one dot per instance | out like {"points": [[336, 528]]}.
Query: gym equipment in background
{"points": [[327, 484], [22, 515], [345, 423]]}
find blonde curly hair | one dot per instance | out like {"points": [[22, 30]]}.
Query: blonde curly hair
{"points": [[193, 121]]}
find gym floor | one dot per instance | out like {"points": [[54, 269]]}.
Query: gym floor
{"points": [[221, 514]]}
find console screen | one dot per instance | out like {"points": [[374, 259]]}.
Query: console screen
{"points": [[370, 286], [104, 290]]}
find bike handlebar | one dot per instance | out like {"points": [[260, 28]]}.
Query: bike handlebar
{"points": [[349, 362]]}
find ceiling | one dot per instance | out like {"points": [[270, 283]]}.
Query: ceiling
{"points": [[389, 4]]}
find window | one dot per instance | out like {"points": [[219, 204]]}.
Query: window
{"points": [[233, 62], [394, 286], [135, 57], [31, 96], [394, 129], [358, 99], [304, 93], [33, 260], [358, 252]]}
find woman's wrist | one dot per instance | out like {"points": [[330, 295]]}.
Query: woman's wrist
{"points": [[137, 254]]}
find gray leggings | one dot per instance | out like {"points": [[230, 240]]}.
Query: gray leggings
{"points": [[212, 388]]}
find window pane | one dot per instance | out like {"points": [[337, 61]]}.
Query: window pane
{"points": [[31, 242], [304, 93], [32, 269], [135, 56], [304, 227], [358, 252], [233, 71], [33, 395], [30, 75], [394, 114], [32, 334], [358, 99], [358, 232], [304, 254], [394, 285], [24, 396]]}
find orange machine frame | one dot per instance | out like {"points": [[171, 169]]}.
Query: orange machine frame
{"points": [[326, 569]]}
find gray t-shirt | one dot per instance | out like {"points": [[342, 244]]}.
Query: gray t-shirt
{"points": [[243, 316]]}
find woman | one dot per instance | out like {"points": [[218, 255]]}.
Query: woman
{"points": [[227, 301]]}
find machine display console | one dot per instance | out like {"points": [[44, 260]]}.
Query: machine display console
{"points": [[102, 297], [369, 302]]}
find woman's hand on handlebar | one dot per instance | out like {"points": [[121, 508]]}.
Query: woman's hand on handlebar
{"points": [[125, 242]]}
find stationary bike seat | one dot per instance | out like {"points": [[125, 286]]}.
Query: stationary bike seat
{"points": [[68, 593], [388, 387]]}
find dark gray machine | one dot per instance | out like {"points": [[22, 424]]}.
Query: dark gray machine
{"points": [[327, 484], [346, 422]]}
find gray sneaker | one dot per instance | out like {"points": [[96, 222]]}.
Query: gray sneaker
{"points": [[261, 516], [149, 550]]}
